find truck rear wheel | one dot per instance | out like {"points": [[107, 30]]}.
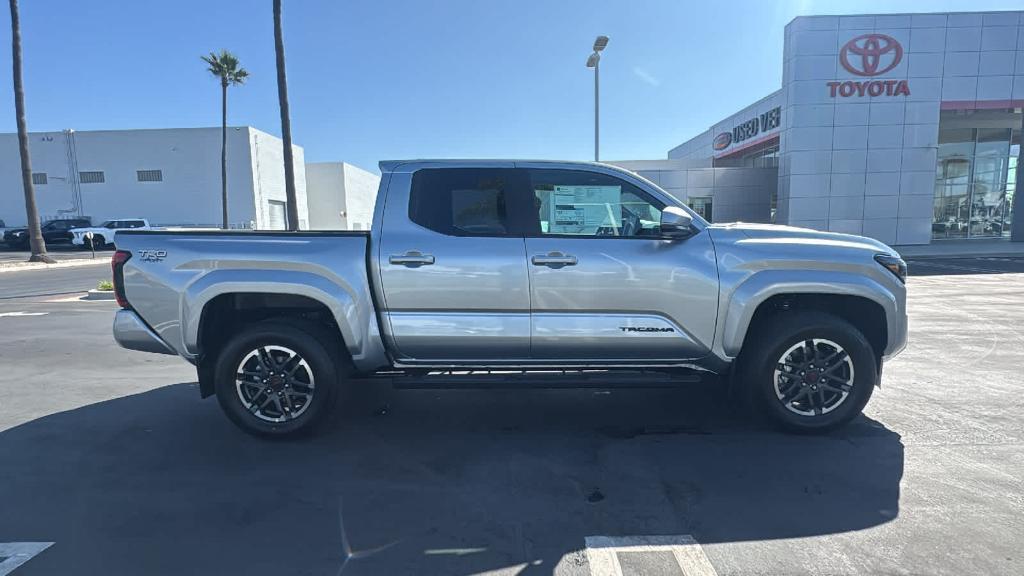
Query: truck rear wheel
{"points": [[277, 378], [809, 371]]}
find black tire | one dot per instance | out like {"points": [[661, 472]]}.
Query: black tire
{"points": [[767, 345], [315, 346], [97, 243]]}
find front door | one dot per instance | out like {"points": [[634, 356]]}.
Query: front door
{"points": [[605, 286], [453, 267]]}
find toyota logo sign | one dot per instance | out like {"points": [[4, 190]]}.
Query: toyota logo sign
{"points": [[871, 54], [722, 141]]}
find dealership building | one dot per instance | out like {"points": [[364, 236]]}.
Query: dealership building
{"points": [[905, 128]]}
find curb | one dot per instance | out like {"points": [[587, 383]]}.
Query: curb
{"points": [[18, 266], [99, 295], [963, 256]]}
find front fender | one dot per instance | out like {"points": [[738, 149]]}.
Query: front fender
{"points": [[743, 301], [350, 306]]}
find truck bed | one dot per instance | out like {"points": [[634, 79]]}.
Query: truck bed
{"points": [[174, 279]]}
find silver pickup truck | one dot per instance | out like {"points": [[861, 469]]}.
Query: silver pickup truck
{"points": [[522, 272]]}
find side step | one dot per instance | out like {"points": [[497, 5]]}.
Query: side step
{"points": [[511, 379]]}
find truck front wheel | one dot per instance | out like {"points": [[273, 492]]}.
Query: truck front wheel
{"points": [[276, 378], [809, 371]]}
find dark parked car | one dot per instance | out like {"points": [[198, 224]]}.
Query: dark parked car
{"points": [[54, 232]]}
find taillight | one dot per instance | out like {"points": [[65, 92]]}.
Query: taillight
{"points": [[117, 268]]}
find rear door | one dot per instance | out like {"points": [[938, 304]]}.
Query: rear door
{"points": [[452, 265], [606, 287]]}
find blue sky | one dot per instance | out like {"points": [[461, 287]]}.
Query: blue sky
{"points": [[372, 80]]}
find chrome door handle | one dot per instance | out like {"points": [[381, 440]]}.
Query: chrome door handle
{"points": [[412, 258], [553, 260]]}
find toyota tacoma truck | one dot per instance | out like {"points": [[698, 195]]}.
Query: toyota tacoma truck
{"points": [[523, 273]]}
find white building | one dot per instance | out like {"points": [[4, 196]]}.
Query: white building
{"points": [[169, 176], [341, 196]]}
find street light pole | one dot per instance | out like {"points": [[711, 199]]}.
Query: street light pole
{"points": [[597, 109], [594, 61]]}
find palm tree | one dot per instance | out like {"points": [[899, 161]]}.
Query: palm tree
{"points": [[286, 123], [35, 236], [225, 66]]}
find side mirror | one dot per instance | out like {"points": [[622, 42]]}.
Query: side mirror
{"points": [[676, 223]]}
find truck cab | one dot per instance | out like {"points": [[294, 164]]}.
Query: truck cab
{"points": [[565, 266]]}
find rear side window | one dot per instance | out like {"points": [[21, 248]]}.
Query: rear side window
{"points": [[462, 201]]}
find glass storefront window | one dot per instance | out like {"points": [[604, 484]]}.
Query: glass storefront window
{"points": [[975, 176], [702, 205]]}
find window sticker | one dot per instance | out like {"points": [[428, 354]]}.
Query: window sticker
{"points": [[583, 209]]}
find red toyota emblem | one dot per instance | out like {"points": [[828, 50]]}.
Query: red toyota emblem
{"points": [[871, 54], [722, 141]]}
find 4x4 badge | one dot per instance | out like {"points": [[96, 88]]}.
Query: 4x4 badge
{"points": [[152, 255]]}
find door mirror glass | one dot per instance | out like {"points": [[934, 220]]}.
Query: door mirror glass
{"points": [[676, 223]]}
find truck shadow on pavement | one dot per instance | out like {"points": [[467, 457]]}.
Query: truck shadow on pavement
{"points": [[450, 482]]}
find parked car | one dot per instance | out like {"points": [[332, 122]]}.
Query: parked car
{"points": [[54, 232], [517, 272], [104, 234]]}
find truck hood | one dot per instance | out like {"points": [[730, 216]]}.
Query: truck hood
{"points": [[777, 233]]}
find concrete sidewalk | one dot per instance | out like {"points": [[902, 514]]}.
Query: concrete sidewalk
{"points": [[18, 260], [963, 248]]}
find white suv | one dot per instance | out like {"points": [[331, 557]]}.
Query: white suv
{"points": [[105, 233]]}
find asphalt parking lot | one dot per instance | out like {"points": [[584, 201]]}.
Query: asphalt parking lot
{"points": [[112, 456]]}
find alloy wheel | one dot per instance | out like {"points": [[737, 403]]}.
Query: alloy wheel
{"points": [[813, 377], [274, 383]]}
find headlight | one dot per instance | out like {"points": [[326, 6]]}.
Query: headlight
{"points": [[894, 264]]}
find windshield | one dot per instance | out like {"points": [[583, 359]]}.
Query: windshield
{"points": [[107, 224]]}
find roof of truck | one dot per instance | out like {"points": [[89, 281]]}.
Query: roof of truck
{"points": [[391, 165]]}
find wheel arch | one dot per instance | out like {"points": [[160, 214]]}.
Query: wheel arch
{"points": [[332, 302], [860, 300]]}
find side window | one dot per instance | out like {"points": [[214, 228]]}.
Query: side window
{"points": [[461, 201], [581, 203]]}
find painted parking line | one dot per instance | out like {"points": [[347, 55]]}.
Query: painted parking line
{"points": [[14, 554], [20, 314], [679, 555]]}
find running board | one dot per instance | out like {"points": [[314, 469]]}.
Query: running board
{"points": [[512, 379]]}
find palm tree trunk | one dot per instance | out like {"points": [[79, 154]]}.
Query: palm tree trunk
{"points": [[286, 123], [224, 154], [35, 236]]}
